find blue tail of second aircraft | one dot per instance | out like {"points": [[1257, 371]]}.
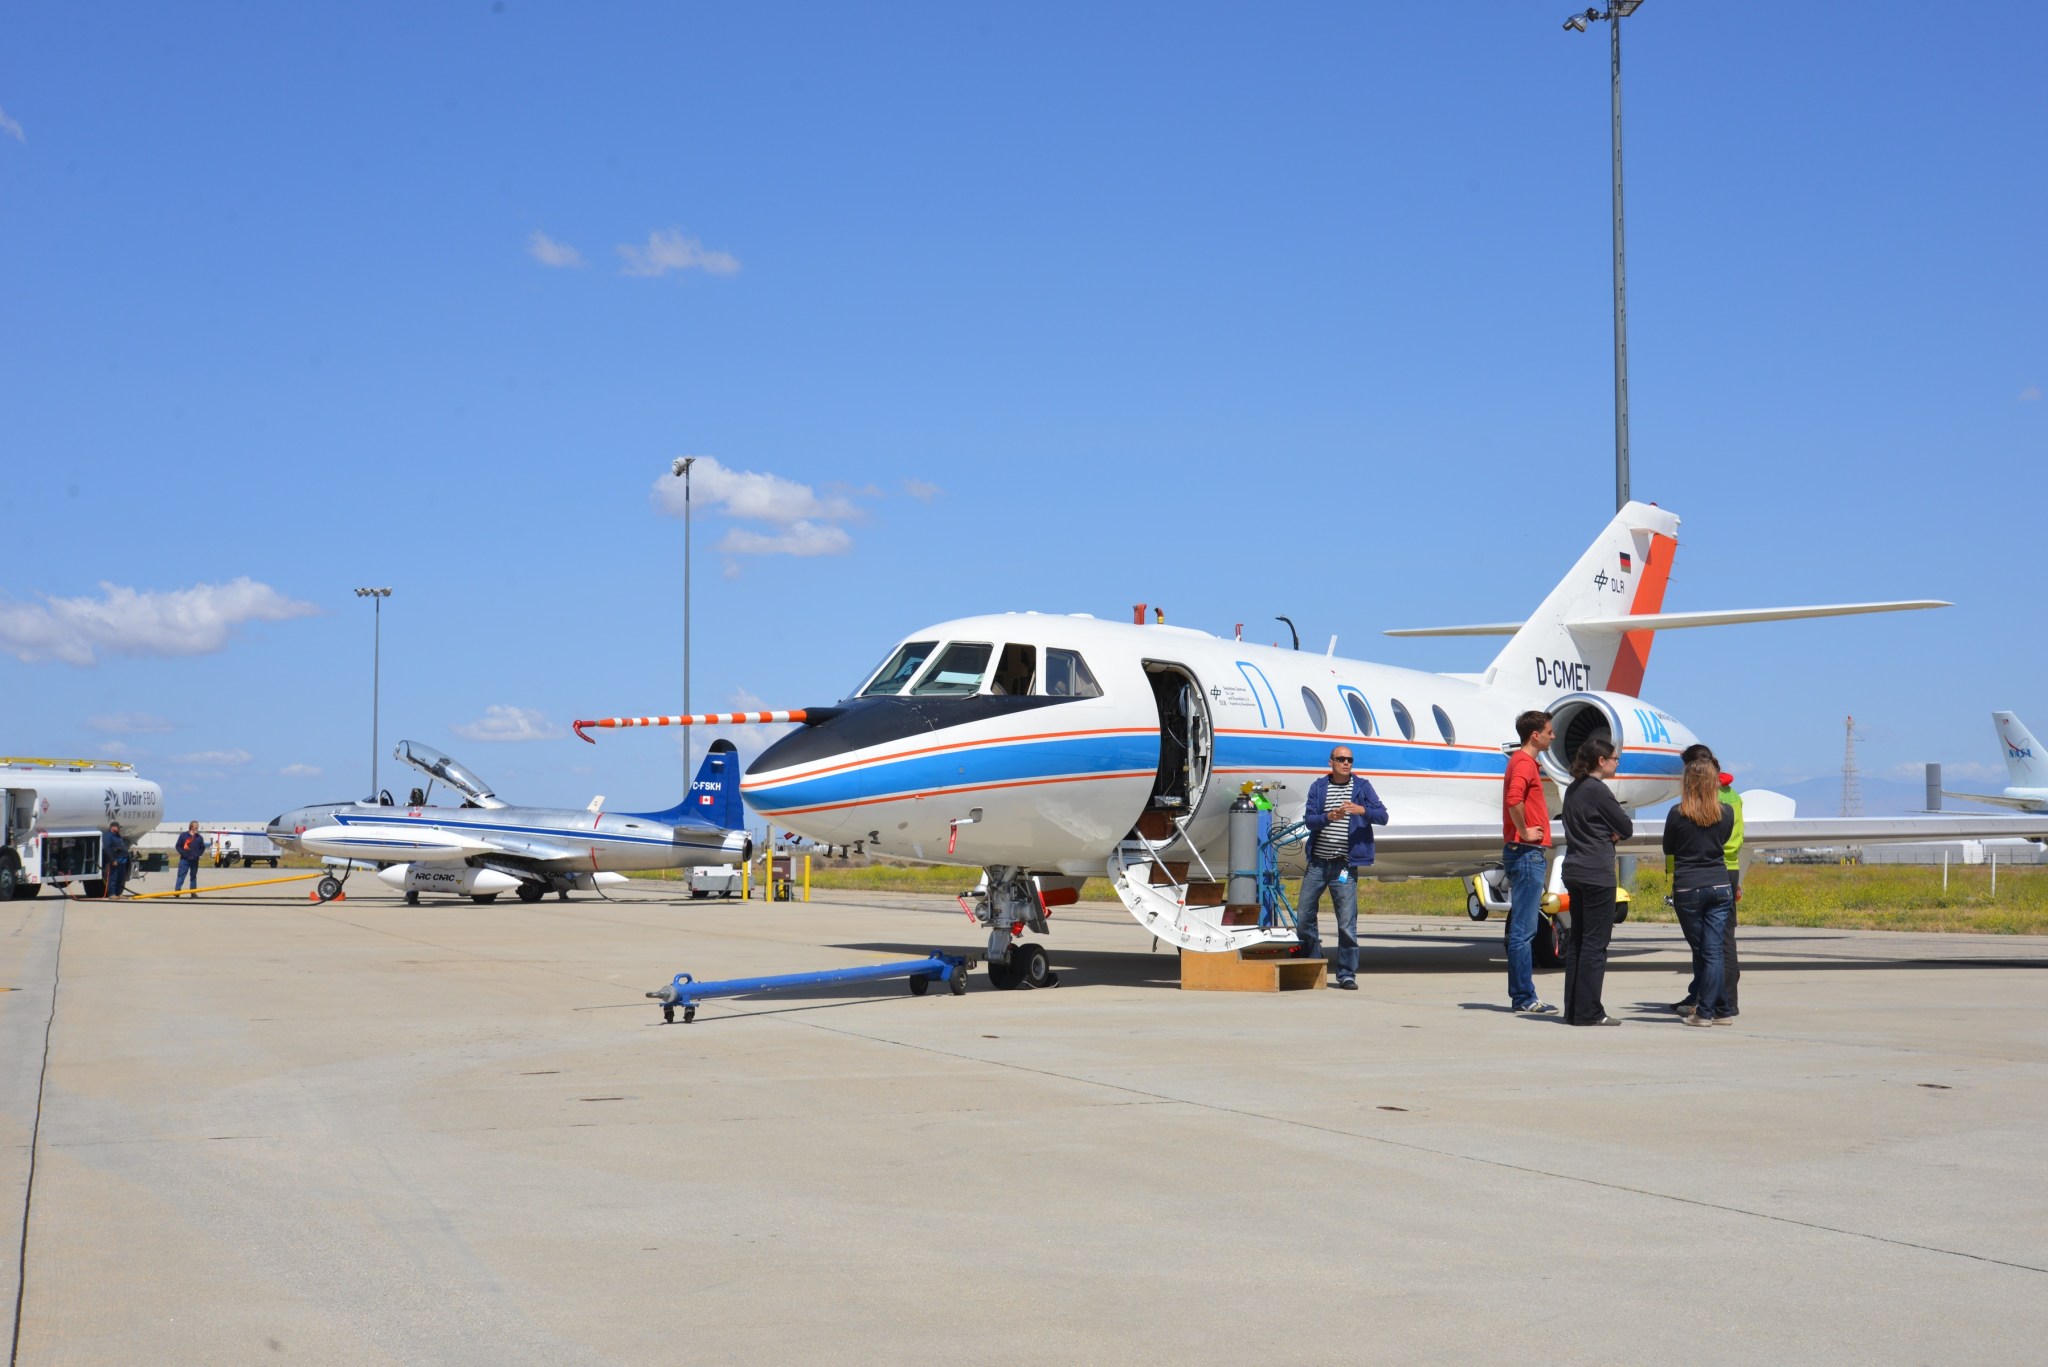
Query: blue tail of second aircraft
{"points": [[714, 796]]}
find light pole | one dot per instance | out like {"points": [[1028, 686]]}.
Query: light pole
{"points": [[1616, 11], [681, 468], [377, 597]]}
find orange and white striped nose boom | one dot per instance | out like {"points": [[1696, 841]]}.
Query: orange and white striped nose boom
{"points": [[798, 714]]}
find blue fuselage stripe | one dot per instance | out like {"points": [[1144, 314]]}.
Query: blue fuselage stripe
{"points": [[556, 833], [1090, 756]]}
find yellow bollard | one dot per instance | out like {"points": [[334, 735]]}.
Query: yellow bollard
{"points": [[807, 878]]}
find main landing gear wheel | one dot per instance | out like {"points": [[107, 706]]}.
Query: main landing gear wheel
{"points": [[483, 899], [1547, 949], [531, 892], [328, 888], [918, 983], [1033, 968], [412, 899], [1474, 908]]}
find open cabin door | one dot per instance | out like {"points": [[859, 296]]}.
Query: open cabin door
{"points": [[1187, 742]]}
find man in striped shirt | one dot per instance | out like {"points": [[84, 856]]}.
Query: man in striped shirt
{"points": [[1340, 814]]}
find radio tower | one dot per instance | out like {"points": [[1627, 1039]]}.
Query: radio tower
{"points": [[1852, 785]]}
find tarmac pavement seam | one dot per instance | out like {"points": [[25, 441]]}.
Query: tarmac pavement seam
{"points": [[1413, 1147], [28, 1195]]}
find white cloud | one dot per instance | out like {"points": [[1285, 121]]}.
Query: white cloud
{"points": [[921, 491], [300, 771], [2030, 393], [214, 759], [130, 724], [671, 251], [11, 128], [549, 252], [751, 495], [799, 538], [503, 723], [122, 621]]}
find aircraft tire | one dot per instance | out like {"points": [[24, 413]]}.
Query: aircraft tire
{"points": [[531, 892], [483, 899], [1004, 976], [1547, 949], [1033, 968], [328, 888], [1474, 908]]}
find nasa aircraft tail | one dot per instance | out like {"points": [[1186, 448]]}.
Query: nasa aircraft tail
{"points": [[714, 797], [2025, 764], [1594, 631]]}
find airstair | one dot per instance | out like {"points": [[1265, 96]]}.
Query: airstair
{"points": [[1182, 901]]}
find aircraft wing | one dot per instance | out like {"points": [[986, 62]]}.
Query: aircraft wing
{"points": [[537, 851], [2018, 804], [1801, 832], [1454, 838]]}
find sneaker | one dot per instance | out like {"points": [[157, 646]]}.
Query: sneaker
{"points": [[1724, 1020], [1683, 1007], [1607, 1020], [1347, 984], [1695, 1018], [1536, 1009]]}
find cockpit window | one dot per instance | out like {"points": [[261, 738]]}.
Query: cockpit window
{"points": [[902, 667], [1067, 676], [1015, 671], [957, 672], [433, 763]]}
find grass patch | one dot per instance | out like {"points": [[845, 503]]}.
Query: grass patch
{"points": [[1829, 896]]}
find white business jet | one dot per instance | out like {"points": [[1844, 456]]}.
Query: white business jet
{"points": [[2026, 764], [1044, 749]]}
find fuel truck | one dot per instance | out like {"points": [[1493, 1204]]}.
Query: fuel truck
{"points": [[55, 812]]}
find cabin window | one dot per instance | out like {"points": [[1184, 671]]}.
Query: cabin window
{"points": [[902, 667], [1361, 713], [1316, 715], [1444, 727], [957, 672], [1015, 670], [1067, 676], [1403, 720]]}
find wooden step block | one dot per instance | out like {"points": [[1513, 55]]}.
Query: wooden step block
{"points": [[1201, 894], [1169, 871], [1254, 972], [1155, 825]]}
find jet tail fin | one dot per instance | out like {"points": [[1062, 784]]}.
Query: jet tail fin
{"points": [[714, 796], [2025, 762]]}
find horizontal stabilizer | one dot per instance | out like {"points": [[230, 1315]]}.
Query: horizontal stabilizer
{"points": [[1675, 621], [1484, 629]]}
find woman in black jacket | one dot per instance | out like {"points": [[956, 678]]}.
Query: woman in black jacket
{"points": [[1593, 823], [1695, 836]]}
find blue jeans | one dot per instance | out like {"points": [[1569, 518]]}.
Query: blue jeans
{"points": [[1525, 865], [1334, 875], [187, 868], [1704, 914]]}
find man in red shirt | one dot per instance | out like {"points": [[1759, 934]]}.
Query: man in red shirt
{"points": [[1525, 820]]}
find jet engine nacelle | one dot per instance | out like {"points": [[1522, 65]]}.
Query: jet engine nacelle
{"points": [[1649, 739], [454, 879]]}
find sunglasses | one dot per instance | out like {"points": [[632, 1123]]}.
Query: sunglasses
{"points": [[1340, 759]]}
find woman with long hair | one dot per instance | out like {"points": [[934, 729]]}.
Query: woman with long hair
{"points": [[1696, 836], [1594, 822]]}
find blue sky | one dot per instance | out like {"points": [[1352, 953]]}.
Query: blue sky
{"points": [[1062, 308]]}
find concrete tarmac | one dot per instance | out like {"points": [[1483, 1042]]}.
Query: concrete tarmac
{"points": [[274, 1131]]}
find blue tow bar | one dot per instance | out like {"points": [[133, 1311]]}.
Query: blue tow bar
{"points": [[686, 992]]}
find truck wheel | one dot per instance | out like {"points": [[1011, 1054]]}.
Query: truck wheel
{"points": [[7, 882], [273, 863]]}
